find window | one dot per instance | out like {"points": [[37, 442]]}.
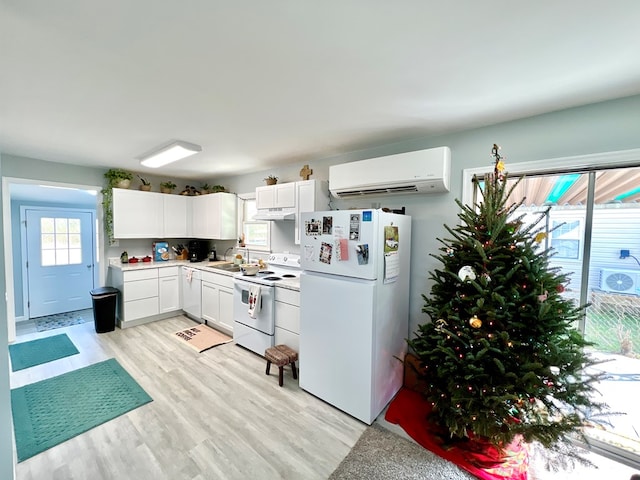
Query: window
{"points": [[60, 242], [257, 234], [565, 239]]}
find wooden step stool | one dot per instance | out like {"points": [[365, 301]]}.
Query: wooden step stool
{"points": [[281, 355]]}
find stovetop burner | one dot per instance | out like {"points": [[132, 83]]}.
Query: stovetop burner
{"points": [[283, 268]]}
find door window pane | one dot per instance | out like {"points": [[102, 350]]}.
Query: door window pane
{"points": [[57, 245], [48, 258], [47, 225]]}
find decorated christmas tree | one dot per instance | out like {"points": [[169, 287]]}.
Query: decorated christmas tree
{"points": [[502, 358]]}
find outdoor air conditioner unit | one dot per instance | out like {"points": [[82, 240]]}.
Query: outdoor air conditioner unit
{"points": [[422, 171], [619, 281]]}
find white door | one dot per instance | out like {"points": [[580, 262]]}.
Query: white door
{"points": [[59, 261]]}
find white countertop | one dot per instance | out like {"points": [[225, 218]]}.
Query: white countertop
{"points": [[287, 283]]}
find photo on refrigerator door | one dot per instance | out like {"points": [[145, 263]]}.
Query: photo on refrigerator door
{"points": [[325, 252], [312, 228], [391, 239], [327, 225], [363, 254], [354, 226]]}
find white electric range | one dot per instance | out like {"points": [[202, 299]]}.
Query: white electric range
{"points": [[254, 322]]}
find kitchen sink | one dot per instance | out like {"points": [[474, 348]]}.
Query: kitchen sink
{"points": [[227, 267]]}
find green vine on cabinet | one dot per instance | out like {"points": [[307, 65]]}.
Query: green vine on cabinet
{"points": [[107, 212], [116, 177]]}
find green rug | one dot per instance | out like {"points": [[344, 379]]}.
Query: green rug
{"points": [[28, 354], [52, 411]]}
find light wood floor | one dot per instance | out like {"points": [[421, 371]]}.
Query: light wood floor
{"points": [[215, 415]]}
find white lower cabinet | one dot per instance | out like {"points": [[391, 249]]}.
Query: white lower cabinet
{"points": [[146, 295], [169, 289], [287, 318], [139, 294], [217, 300]]}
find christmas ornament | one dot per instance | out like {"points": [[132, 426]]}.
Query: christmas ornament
{"points": [[498, 169], [543, 297], [540, 236], [440, 324], [475, 322], [467, 273], [513, 227], [560, 288], [449, 252], [486, 277]]}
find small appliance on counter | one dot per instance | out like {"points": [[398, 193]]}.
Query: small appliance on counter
{"points": [[213, 257], [198, 250]]}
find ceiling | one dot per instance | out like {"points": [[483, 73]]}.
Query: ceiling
{"points": [[260, 84]]}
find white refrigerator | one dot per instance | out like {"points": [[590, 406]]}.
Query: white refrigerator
{"points": [[354, 307]]}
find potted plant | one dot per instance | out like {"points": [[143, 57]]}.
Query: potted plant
{"points": [[167, 187], [146, 185], [271, 180], [217, 189], [118, 177], [205, 188]]}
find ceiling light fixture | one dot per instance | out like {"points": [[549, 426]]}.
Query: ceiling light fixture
{"points": [[172, 152]]}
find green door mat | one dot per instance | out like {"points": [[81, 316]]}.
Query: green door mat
{"points": [[29, 354], [52, 411]]}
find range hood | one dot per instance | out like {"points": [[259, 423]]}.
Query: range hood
{"points": [[273, 214]]}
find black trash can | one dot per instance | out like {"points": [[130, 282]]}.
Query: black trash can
{"points": [[104, 308]]}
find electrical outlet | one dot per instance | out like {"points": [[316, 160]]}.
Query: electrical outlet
{"points": [[625, 253]]}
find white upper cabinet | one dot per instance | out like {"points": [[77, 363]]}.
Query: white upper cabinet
{"points": [[214, 216], [311, 196], [280, 195], [176, 216], [137, 214]]}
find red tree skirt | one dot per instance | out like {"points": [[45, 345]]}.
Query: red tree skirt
{"points": [[410, 410]]}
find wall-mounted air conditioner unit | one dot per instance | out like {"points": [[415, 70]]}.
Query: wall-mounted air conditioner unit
{"points": [[422, 171], [620, 281]]}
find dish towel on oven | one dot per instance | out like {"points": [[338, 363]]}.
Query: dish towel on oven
{"points": [[254, 300]]}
